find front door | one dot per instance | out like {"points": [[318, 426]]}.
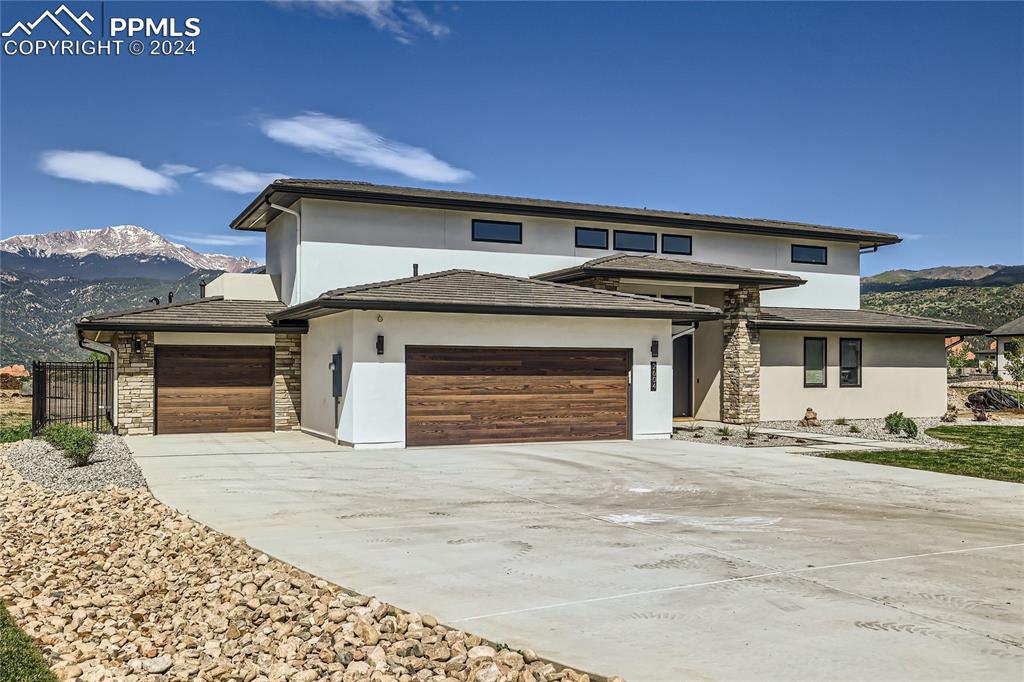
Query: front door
{"points": [[682, 376]]}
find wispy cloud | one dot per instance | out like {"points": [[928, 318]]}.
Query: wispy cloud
{"points": [[100, 167], [173, 169], [399, 18], [353, 142], [911, 236], [218, 240], [236, 179]]}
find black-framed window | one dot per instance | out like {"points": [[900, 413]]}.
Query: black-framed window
{"points": [[627, 240], [850, 361], [591, 238], [497, 231], [815, 361], [678, 297], [803, 253], [677, 244]]}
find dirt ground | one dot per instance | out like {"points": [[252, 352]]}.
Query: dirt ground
{"points": [[15, 410]]}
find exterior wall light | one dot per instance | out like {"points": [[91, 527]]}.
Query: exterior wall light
{"points": [[380, 344], [138, 344], [654, 348]]}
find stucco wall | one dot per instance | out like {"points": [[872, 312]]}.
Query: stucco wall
{"points": [[243, 286], [372, 411], [900, 372], [349, 243], [707, 360]]}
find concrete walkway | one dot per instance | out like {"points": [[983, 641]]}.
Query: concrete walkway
{"points": [[657, 560]]}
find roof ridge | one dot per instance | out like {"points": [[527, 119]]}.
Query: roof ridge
{"points": [[163, 306]]}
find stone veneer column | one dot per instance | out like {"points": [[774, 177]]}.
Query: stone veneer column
{"points": [[287, 382], [741, 356], [135, 396]]}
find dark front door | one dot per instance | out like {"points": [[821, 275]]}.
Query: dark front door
{"points": [[682, 376]]}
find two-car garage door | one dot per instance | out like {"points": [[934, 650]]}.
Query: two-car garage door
{"points": [[461, 395], [211, 389]]}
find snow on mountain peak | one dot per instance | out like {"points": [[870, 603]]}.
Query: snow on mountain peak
{"points": [[120, 240]]}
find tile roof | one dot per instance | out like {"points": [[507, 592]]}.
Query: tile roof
{"points": [[655, 266], [204, 314], [352, 190], [470, 291], [1011, 328], [858, 320]]}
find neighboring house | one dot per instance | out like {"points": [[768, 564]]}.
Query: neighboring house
{"points": [[392, 316], [1011, 332]]}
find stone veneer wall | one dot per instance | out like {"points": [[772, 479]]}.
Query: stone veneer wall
{"points": [[135, 397], [741, 356], [287, 382]]}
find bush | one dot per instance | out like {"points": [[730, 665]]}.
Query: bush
{"points": [[894, 422], [841, 421], [77, 444], [9, 434], [909, 428], [854, 428], [724, 431]]}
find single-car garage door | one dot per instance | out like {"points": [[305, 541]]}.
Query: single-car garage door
{"points": [[207, 389], [460, 395]]}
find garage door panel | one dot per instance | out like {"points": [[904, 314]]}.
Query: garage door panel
{"points": [[531, 395], [214, 389]]}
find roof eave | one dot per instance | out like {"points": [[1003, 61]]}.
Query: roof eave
{"points": [[322, 307], [298, 327]]}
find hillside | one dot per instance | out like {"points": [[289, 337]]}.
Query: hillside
{"points": [[944, 276]]}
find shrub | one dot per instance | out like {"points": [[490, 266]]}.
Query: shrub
{"points": [[910, 428], [749, 432], [9, 434], [894, 422], [724, 431], [841, 421], [854, 428], [76, 444]]}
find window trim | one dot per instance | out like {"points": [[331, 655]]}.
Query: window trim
{"points": [[860, 366], [824, 362], [676, 253], [472, 233], [646, 234], [793, 258], [591, 229]]}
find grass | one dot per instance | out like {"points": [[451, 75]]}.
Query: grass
{"points": [[995, 452], [20, 659], [9, 434]]}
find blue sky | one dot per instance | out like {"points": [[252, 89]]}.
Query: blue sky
{"points": [[900, 117]]}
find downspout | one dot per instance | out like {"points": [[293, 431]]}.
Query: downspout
{"points": [[298, 247], [111, 353]]}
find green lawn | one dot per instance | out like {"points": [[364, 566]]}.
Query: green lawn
{"points": [[995, 452], [20, 660]]}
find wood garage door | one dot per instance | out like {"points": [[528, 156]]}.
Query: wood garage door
{"points": [[457, 395], [210, 389]]}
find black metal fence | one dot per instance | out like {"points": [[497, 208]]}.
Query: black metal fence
{"points": [[75, 393]]}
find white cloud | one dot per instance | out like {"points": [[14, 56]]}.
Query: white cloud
{"points": [[100, 167], [218, 240], [240, 180], [173, 169], [397, 17], [353, 142], [912, 236]]}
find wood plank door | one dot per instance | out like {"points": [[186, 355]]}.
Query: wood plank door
{"points": [[462, 395], [214, 389]]}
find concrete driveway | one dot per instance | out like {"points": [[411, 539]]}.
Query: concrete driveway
{"points": [[655, 560]]}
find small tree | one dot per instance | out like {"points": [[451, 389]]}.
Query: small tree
{"points": [[957, 358], [1014, 352], [987, 366]]}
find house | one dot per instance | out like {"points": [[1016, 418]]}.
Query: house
{"points": [[1011, 332], [393, 316]]}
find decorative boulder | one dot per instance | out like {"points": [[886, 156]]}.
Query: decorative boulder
{"points": [[810, 418]]}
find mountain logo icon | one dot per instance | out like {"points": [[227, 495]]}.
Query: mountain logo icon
{"points": [[69, 16]]}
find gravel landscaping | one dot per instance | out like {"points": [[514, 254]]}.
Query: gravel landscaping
{"points": [[112, 584], [736, 438], [111, 465], [873, 429]]}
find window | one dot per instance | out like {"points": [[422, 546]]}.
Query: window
{"points": [[591, 238], [849, 362], [815, 255], [636, 241], [814, 362], [497, 231], [676, 243], [678, 297]]}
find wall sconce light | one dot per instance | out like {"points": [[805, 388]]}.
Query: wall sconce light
{"points": [[380, 344], [654, 348], [137, 344]]}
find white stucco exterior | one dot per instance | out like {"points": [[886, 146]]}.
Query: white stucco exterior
{"points": [[900, 373], [345, 244], [371, 413], [243, 286]]}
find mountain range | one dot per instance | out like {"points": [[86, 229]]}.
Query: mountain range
{"points": [[49, 281]]}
